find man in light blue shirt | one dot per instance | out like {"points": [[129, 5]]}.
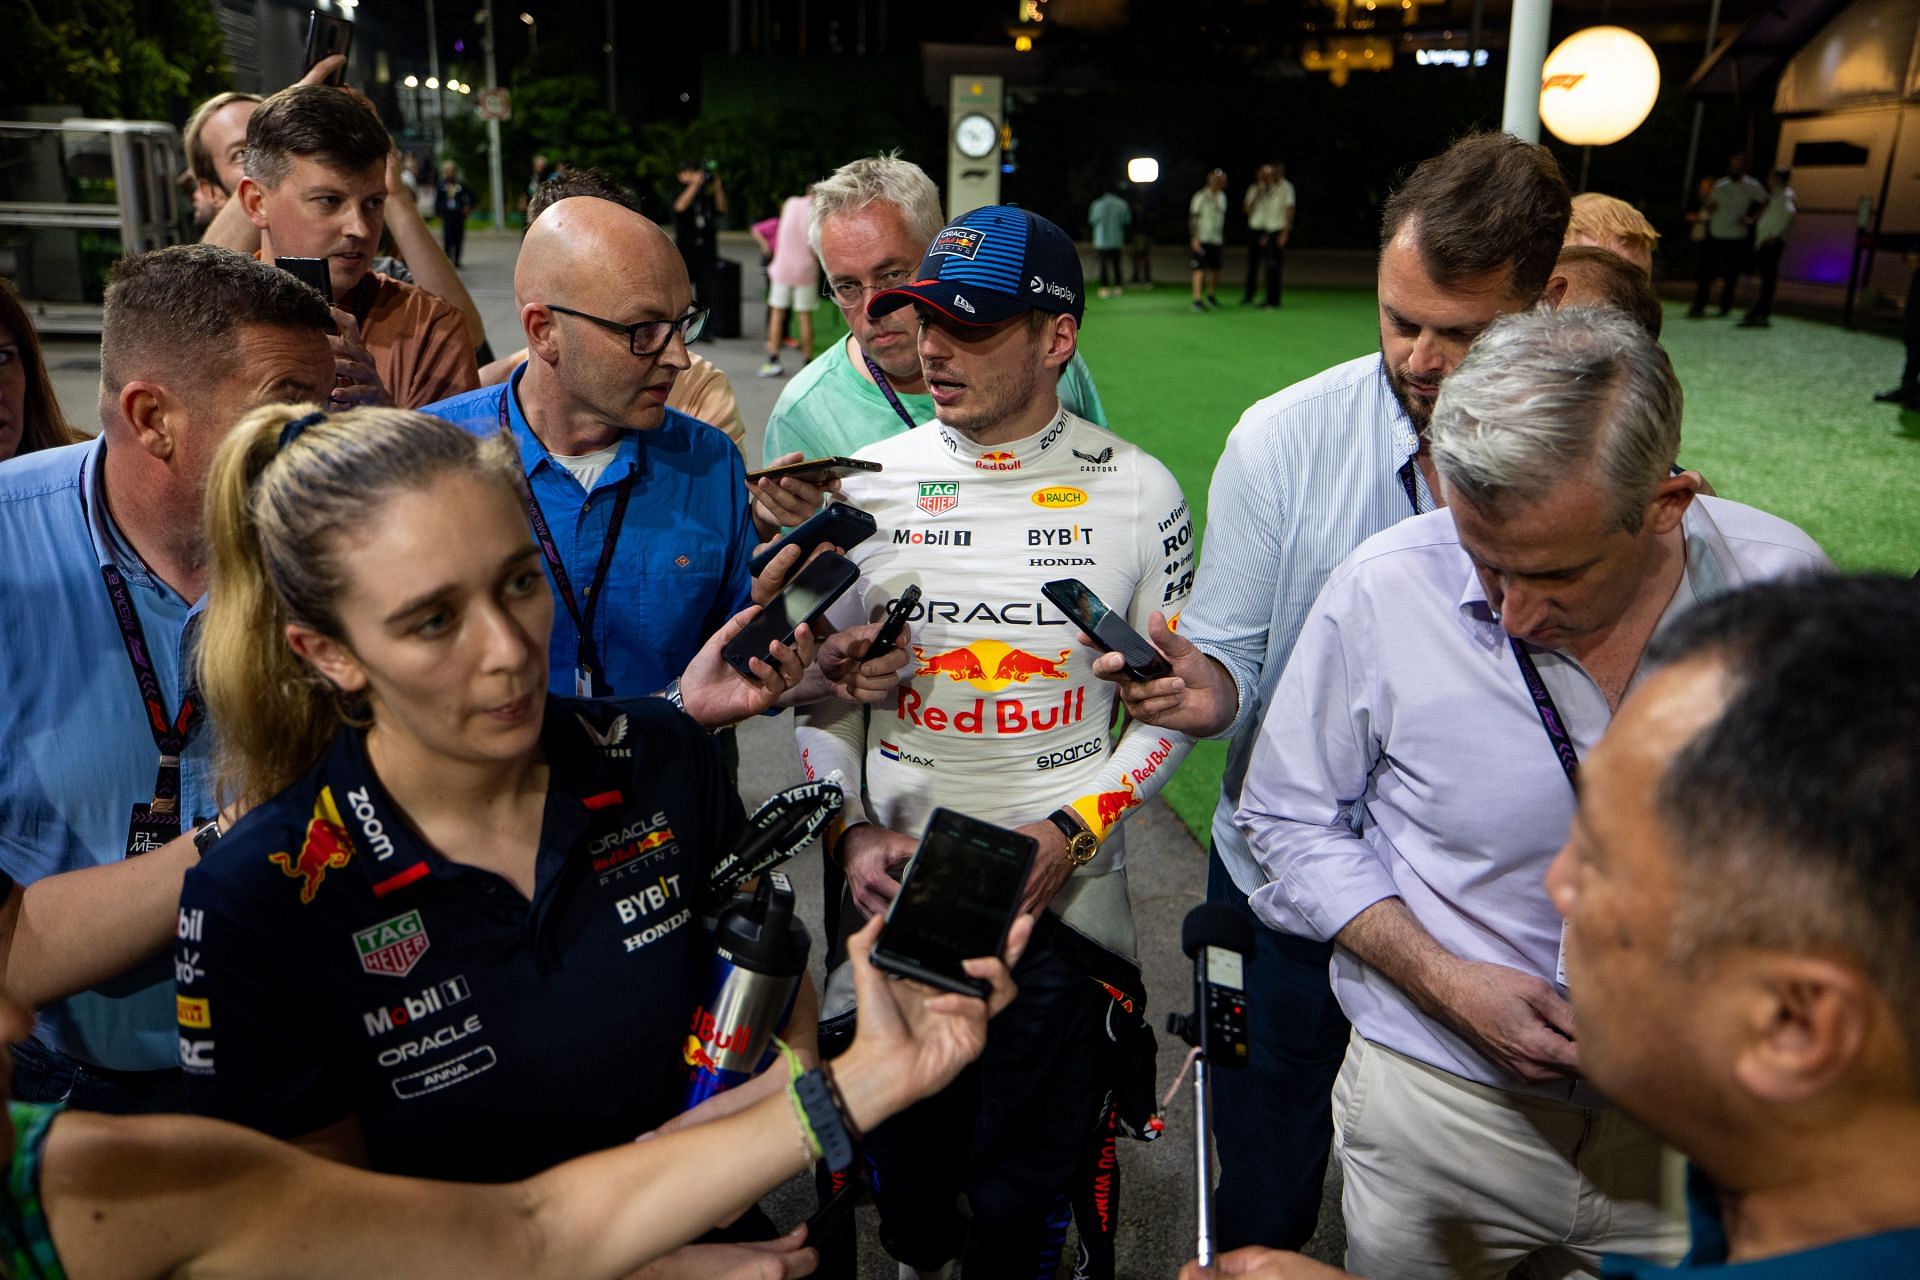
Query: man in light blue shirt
{"points": [[102, 587], [1308, 474], [1108, 218], [1413, 778]]}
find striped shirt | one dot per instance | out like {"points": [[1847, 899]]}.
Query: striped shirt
{"points": [[1308, 474]]}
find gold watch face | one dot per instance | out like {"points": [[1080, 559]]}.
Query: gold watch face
{"points": [[1082, 848]]}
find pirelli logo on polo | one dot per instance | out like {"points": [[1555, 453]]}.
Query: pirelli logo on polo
{"points": [[392, 947], [193, 1014], [1056, 497]]}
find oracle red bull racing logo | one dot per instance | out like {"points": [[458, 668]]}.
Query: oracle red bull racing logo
{"points": [[325, 848]]}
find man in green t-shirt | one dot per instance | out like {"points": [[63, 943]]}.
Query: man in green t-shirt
{"points": [[871, 223]]}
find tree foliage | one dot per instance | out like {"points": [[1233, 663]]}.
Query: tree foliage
{"points": [[130, 59]]}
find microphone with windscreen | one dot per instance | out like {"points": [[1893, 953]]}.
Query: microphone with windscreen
{"points": [[1219, 940]]}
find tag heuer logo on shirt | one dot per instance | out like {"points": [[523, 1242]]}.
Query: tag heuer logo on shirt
{"points": [[937, 497], [392, 947]]}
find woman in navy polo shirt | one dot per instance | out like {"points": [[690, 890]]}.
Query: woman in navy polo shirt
{"points": [[456, 933]]}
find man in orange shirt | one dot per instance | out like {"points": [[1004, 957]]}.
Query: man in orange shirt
{"points": [[316, 187]]}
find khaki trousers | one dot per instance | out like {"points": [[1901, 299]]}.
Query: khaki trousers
{"points": [[1454, 1180]]}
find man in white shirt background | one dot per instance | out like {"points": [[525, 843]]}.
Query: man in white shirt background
{"points": [[1731, 208], [1206, 235], [1769, 242], [1269, 208]]}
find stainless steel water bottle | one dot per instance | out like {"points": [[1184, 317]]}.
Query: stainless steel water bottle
{"points": [[760, 954]]}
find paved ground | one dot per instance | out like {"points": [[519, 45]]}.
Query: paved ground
{"points": [[1167, 869]]}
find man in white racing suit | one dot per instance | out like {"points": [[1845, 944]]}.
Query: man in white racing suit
{"points": [[1001, 718]]}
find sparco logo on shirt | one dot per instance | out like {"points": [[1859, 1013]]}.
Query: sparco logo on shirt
{"points": [[431, 1000], [370, 825], [392, 947]]}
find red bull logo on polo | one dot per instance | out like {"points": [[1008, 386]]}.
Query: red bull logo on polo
{"points": [[991, 665], [392, 947], [325, 848], [1104, 808], [997, 460]]}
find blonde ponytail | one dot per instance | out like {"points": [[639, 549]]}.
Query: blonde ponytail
{"points": [[275, 513]]}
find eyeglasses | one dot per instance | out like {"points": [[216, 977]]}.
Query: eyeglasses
{"points": [[649, 337], [851, 293]]}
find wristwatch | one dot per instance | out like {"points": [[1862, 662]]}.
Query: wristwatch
{"points": [[1082, 845]]}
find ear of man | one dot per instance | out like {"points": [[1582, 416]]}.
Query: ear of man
{"points": [[153, 417], [1806, 1024]]}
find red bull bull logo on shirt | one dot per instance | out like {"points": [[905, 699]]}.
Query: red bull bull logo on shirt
{"points": [[991, 665], [997, 460], [1104, 808], [325, 847]]}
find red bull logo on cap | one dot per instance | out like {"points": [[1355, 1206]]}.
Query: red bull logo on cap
{"points": [[325, 848], [990, 665]]}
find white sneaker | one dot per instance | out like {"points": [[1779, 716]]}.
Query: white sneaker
{"points": [[771, 369]]}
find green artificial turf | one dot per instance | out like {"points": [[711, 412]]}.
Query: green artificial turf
{"points": [[1780, 418]]}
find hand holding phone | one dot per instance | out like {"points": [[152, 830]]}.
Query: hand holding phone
{"points": [[1107, 629], [815, 471], [834, 525], [312, 272], [327, 36], [887, 638], [957, 900], [811, 593]]}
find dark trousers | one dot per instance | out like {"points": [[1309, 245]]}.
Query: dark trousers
{"points": [[1110, 268], [1026, 1134], [1264, 251], [42, 1073], [453, 236], [1910, 372], [1273, 1119], [1766, 261], [1723, 260]]}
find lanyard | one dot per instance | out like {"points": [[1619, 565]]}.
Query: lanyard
{"points": [[155, 823], [886, 389], [589, 680], [1549, 714]]}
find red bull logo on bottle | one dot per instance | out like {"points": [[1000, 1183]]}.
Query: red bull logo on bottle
{"points": [[325, 848]]}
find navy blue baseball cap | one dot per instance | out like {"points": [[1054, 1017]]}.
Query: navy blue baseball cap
{"points": [[992, 264]]}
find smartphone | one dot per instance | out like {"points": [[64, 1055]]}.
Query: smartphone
{"points": [[956, 902], [311, 272], [811, 592], [328, 35], [1106, 628], [816, 471], [887, 638], [839, 1206], [834, 525]]}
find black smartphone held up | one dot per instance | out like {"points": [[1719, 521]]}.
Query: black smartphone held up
{"points": [[311, 272], [956, 902], [834, 525], [1107, 629], [811, 592], [815, 471], [326, 36], [887, 638]]}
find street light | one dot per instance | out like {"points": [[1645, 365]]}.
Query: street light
{"points": [[1143, 169], [433, 82], [533, 34], [412, 82]]}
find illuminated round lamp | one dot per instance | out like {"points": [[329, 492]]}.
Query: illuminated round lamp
{"points": [[1143, 169], [1598, 86]]}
